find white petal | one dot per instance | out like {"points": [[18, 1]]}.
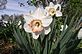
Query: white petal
{"points": [[62, 26], [80, 34], [19, 22], [58, 13], [20, 26], [0, 17], [5, 21], [51, 4], [47, 21], [66, 27], [35, 36], [28, 18], [47, 8], [57, 6], [47, 30], [27, 28], [39, 13]]}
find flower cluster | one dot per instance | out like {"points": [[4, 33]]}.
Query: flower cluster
{"points": [[39, 21]]}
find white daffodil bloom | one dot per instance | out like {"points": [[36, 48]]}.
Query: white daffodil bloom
{"points": [[37, 22], [80, 34], [54, 9]]}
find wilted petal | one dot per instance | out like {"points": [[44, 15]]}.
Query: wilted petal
{"points": [[35, 36], [80, 34], [47, 21], [27, 28], [47, 30], [58, 13]]}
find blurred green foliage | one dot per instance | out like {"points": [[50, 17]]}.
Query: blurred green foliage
{"points": [[56, 42]]}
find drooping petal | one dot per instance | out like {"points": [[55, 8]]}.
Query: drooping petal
{"points": [[27, 28], [58, 13], [47, 21], [35, 36], [47, 30], [80, 34]]}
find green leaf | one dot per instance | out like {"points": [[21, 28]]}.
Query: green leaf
{"points": [[46, 47], [22, 41]]}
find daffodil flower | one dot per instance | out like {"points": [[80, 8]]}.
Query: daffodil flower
{"points": [[54, 9], [80, 34], [37, 22]]}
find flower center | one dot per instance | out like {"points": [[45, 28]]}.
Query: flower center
{"points": [[36, 25], [52, 11]]}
